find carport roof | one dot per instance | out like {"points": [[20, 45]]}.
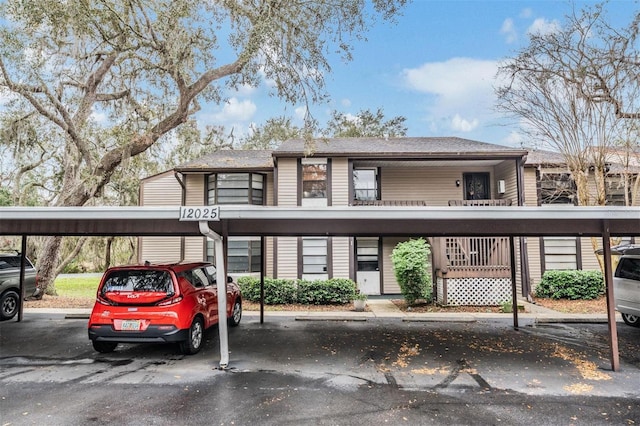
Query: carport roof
{"points": [[236, 220]]}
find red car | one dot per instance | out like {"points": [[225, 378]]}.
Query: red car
{"points": [[159, 303]]}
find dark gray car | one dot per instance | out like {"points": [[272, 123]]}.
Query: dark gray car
{"points": [[10, 283]]}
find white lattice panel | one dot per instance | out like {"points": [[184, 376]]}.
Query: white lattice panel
{"points": [[475, 291]]}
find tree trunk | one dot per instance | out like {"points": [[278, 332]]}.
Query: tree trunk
{"points": [[48, 260], [107, 253]]}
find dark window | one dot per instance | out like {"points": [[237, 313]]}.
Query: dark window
{"points": [[476, 186], [243, 256], [615, 191], [365, 184], [235, 188], [314, 181], [7, 262], [628, 268], [557, 188], [146, 280]]}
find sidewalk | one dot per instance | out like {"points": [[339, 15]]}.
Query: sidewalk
{"points": [[385, 308]]}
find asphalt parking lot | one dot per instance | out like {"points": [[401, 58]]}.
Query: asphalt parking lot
{"points": [[288, 371]]}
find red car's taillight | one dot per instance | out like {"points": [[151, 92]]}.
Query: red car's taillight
{"points": [[101, 300], [169, 302]]}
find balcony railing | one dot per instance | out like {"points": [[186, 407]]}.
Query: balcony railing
{"points": [[460, 257], [390, 203]]}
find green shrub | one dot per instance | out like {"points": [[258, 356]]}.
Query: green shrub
{"points": [[412, 269], [333, 291], [283, 291], [572, 285]]}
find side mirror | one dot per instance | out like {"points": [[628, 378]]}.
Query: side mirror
{"points": [[229, 279]]}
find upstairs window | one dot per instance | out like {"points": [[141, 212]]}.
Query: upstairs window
{"points": [[615, 191], [365, 184], [557, 188], [314, 178], [235, 188]]}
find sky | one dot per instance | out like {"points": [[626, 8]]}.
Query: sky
{"points": [[435, 66]]}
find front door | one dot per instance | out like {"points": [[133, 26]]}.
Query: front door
{"points": [[368, 269], [476, 186]]}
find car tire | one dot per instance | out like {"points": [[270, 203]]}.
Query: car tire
{"points": [[236, 314], [9, 305], [104, 347], [196, 336], [631, 320]]}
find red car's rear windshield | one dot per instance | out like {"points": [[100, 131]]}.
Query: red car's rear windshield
{"points": [[143, 281]]}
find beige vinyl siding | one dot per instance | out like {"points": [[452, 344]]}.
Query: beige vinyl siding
{"points": [[389, 283], [589, 259], [287, 182], [535, 263], [287, 247], [340, 182], [341, 256], [159, 249], [287, 257], [435, 185], [269, 187], [506, 171], [269, 255], [160, 190], [194, 247], [533, 243]]}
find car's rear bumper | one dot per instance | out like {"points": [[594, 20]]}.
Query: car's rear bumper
{"points": [[153, 334]]}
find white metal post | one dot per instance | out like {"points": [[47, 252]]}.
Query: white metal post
{"points": [[221, 278]]}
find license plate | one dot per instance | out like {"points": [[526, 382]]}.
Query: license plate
{"points": [[130, 325]]}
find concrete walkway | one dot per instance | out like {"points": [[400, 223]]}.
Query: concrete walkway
{"points": [[385, 308]]}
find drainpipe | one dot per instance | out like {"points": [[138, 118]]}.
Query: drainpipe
{"points": [[180, 178], [221, 278]]}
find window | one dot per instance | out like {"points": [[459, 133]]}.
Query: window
{"points": [[235, 188], [314, 180], [615, 191], [365, 184], [314, 256], [557, 188], [629, 268], [243, 255], [367, 254]]}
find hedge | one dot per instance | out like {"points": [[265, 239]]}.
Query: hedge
{"points": [[284, 291], [572, 285]]}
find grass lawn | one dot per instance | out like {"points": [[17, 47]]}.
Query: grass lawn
{"points": [[81, 286]]}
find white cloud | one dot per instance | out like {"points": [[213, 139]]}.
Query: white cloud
{"points": [[300, 113], [460, 124], [526, 13], [542, 26], [345, 102], [459, 93], [245, 90], [509, 31], [514, 138], [235, 111]]}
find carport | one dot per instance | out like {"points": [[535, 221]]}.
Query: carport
{"points": [[234, 220]]}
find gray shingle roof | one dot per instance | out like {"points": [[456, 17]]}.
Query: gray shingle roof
{"points": [[393, 147], [538, 157], [230, 159]]}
